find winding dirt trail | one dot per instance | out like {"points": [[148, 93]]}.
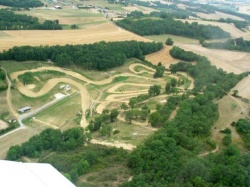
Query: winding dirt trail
{"points": [[86, 100], [8, 96]]}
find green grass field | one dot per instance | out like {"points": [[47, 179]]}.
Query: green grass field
{"points": [[62, 114]]}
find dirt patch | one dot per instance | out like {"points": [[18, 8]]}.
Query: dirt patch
{"points": [[3, 124], [244, 88], [162, 56], [30, 86], [116, 144], [230, 61]]}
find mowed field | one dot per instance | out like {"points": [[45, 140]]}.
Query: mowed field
{"points": [[235, 33], [102, 32], [230, 61], [218, 15], [67, 16]]}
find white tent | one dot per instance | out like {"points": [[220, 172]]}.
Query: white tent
{"points": [[18, 174]]}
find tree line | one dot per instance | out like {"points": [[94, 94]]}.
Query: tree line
{"points": [[3, 81], [11, 21], [21, 3], [100, 56], [238, 44], [170, 156], [49, 139], [149, 26]]}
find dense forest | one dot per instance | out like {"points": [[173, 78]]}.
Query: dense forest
{"points": [[238, 44], [11, 21], [149, 26], [98, 56], [169, 157], [21, 3]]}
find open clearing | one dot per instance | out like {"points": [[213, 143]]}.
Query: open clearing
{"points": [[230, 61], [103, 32]]}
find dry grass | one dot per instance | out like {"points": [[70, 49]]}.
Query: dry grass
{"points": [[244, 88], [218, 15], [230, 110], [103, 32], [162, 56], [17, 137], [80, 17], [235, 33], [230, 61]]}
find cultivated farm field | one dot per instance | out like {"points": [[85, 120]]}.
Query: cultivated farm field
{"points": [[102, 32]]}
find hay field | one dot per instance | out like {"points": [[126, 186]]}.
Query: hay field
{"points": [[218, 15], [235, 33], [244, 88], [80, 17], [244, 9], [230, 61], [103, 32], [162, 56]]}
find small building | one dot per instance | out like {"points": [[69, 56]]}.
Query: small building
{"points": [[58, 7], [24, 109], [62, 87], [67, 87]]}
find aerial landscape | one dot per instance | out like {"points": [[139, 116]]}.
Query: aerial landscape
{"points": [[129, 93]]}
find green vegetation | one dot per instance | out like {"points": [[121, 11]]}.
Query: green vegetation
{"points": [[11, 126], [48, 139], [86, 159], [237, 23], [243, 128], [170, 156], [22, 3], [100, 56], [149, 26], [11, 21], [181, 54], [238, 44], [3, 81], [169, 41]]}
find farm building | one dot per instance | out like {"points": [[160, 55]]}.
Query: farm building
{"points": [[58, 7], [24, 109], [20, 174]]}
